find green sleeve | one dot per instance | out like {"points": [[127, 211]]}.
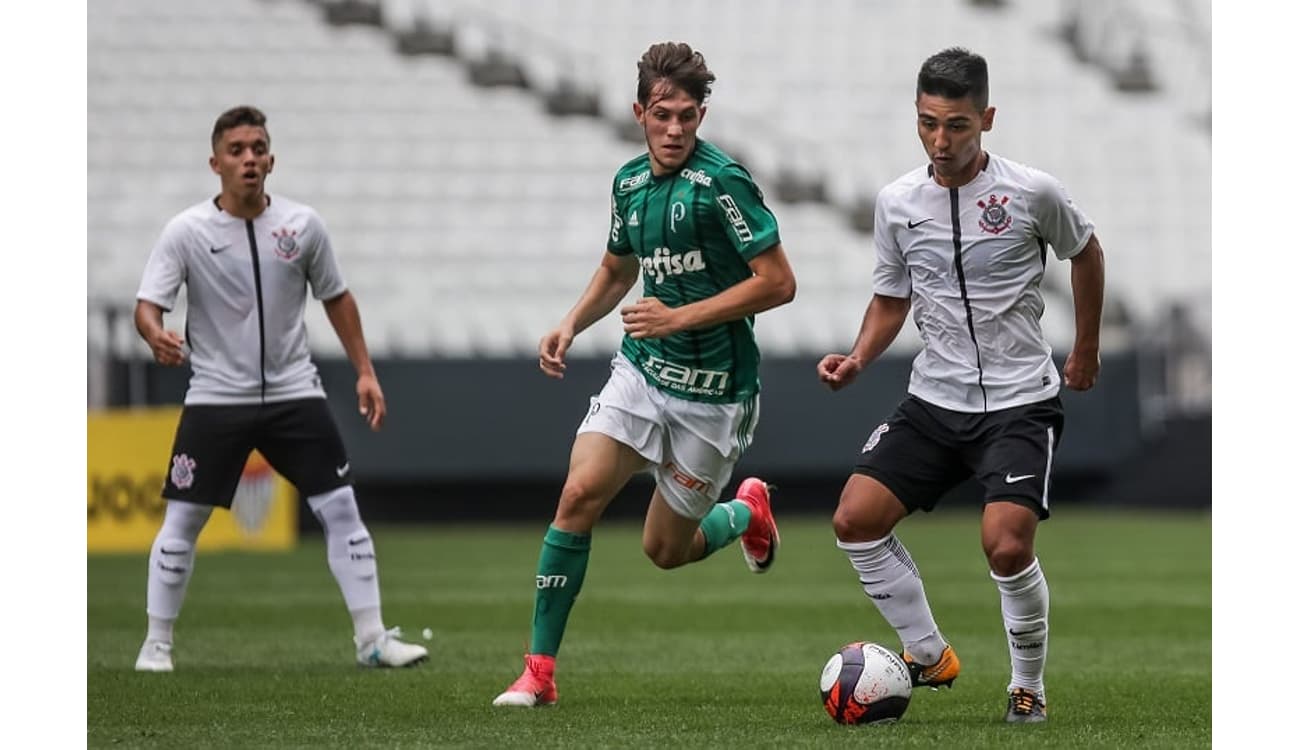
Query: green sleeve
{"points": [[747, 222]]}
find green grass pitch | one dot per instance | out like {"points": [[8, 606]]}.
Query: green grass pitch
{"points": [[705, 656]]}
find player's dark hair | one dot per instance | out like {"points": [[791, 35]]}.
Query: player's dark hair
{"points": [[236, 116], [955, 73], [675, 62]]}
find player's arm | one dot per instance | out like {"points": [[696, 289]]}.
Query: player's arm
{"points": [[609, 284], [881, 323], [771, 285], [168, 347], [346, 319], [1088, 282]]}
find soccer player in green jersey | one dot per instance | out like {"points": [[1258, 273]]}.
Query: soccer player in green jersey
{"points": [[682, 397]]}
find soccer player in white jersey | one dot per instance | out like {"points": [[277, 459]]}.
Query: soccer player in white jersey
{"points": [[962, 243], [246, 259]]}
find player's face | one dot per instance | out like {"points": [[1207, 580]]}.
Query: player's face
{"points": [[243, 160], [950, 131], [670, 120]]}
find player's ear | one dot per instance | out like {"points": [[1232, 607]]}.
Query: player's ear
{"points": [[638, 112], [270, 163], [986, 119], [703, 109], [212, 163]]}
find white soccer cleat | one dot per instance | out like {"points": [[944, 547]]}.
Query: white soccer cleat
{"points": [[388, 651], [155, 656]]}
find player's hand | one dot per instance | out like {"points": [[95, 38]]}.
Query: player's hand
{"points": [[838, 370], [370, 399], [648, 318], [551, 350], [168, 348], [1081, 369]]}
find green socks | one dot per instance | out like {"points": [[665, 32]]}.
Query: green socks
{"points": [[560, 570], [724, 525]]}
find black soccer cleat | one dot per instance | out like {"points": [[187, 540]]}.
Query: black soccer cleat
{"points": [[1024, 706]]}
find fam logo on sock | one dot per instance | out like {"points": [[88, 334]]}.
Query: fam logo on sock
{"points": [[182, 471]]}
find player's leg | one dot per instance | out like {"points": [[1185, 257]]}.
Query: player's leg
{"points": [[904, 465], [208, 454], [599, 466], [301, 441], [684, 522], [1015, 469]]}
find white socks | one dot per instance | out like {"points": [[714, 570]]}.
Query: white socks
{"points": [[1024, 612], [351, 558], [890, 579], [171, 562]]}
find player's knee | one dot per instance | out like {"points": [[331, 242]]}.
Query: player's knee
{"points": [[851, 526], [173, 559], [663, 555], [1008, 554], [580, 505]]}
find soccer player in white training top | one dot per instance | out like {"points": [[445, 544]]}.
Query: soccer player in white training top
{"points": [[246, 259], [962, 243]]}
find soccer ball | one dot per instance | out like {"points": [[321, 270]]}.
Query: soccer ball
{"points": [[865, 683]]}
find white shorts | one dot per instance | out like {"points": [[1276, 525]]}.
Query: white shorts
{"points": [[692, 446]]}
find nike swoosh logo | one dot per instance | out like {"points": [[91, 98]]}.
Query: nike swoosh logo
{"points": [[216, 250], [1014, 634], [344, 469], [914, 224], [355, 542], [1010, 479]]}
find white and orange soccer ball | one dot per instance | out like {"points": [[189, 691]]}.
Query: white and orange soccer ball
{"points": [[865, 683]]}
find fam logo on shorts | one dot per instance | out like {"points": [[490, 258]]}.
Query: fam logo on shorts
{"points": [[286, 243], [182, 471], [995, 218], [874, 440], [692, 483]]}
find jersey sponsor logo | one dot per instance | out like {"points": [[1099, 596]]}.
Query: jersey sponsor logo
{"points": [[694, 380], [876, 434], [697, 177], [615, 225], [634, 220], [736, 218], [677, 213], [665, 263], [286, 243], [995, 218], [552, 582], [627, 183], [692, 483], [182, 471]]}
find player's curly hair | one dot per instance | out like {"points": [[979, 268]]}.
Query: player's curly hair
{"points": [[955, 73], [236, 116], [675, 62]]}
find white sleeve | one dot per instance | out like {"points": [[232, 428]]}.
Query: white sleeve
{"points": [[165, 270], [322, 270], [890, 276], [1061, 223]]}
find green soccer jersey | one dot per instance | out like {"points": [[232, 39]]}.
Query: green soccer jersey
{"points": [[694, 231]]}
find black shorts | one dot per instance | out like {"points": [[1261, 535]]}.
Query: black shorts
{"points": [[922, 451], [298, 438]]}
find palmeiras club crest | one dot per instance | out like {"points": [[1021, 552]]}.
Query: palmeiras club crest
{"points": [[995, 218], [182, 471], [286, 243], [874, 440]]}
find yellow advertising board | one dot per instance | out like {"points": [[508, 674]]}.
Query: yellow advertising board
{"points": [[127, 452]]}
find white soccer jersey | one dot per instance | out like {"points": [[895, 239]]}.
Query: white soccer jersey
{"points": [[971, 260], [247, 287]]}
